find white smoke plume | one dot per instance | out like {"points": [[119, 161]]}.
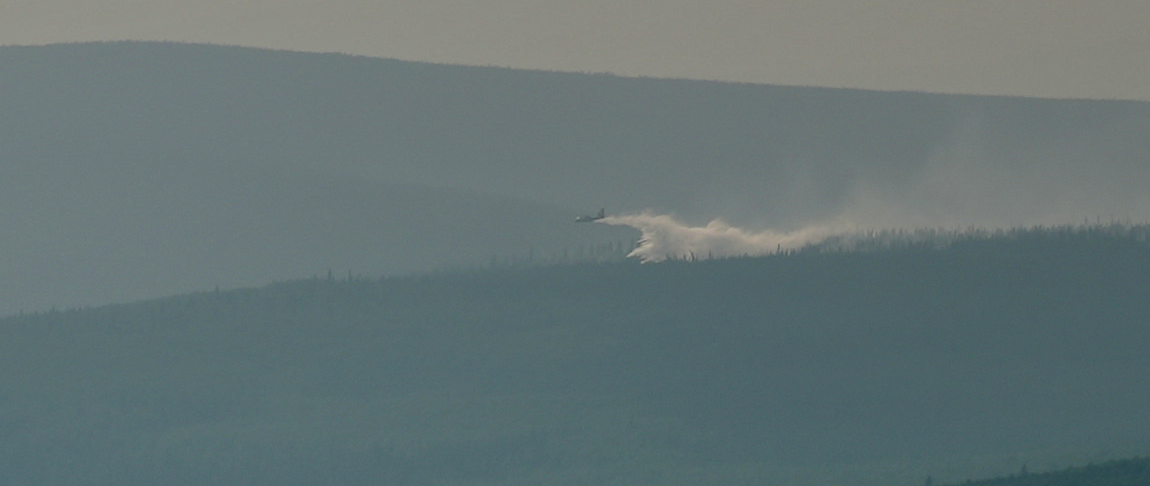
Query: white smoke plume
{"points": [[664, 237]]}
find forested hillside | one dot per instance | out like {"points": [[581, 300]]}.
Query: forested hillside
{"points": [[861, 368], [1126, 472]]}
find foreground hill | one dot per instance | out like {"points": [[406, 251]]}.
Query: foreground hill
{"points": [[847, 368], [1126, 472], [133, 170]]}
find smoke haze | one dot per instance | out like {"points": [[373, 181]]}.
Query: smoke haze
{"points": [[664, 237]]}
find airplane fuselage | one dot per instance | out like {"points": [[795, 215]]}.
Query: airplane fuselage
{"points": [[589, 219]]}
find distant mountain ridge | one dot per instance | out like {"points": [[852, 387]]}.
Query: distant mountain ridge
{"points": [[116, 160], [559, 137]]}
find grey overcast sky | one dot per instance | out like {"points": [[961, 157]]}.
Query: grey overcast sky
{"points": [[1056, 48]]}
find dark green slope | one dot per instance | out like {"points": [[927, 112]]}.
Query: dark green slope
{"points": [[1125, 472], [807, 369]]}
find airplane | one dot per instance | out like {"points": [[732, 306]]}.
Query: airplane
{"points": [[588, 219]]}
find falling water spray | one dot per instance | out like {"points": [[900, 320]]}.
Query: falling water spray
{"points": [[664, 237]]}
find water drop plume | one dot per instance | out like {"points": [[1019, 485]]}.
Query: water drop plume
{"points": [[664, 237]]}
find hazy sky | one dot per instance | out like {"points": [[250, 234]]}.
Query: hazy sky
{"points": [[1061, 48]]}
